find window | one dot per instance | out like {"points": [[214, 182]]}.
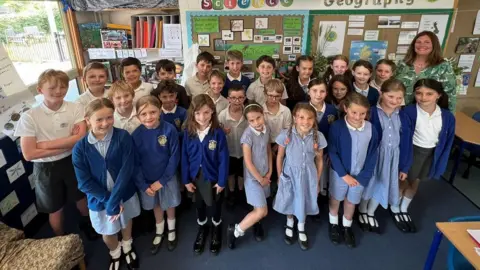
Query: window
{"points": [[34, 35]]}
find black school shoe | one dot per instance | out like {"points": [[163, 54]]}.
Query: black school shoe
{"points": [[363, 221], [199, 244], [114, 263], [216, 241], [131, 258], [288, 239], [231, 236], [303, 244], [408, 220], [258, 231], [171, 245], [349, 237], [399, 222], [374, 227], [334, 233], [156, 247]]}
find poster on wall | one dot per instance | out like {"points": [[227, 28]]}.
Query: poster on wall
{"points": [[434, 23], [10, 81], [331, 35], [371, 51]]}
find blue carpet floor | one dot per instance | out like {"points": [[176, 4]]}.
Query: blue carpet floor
{"points": [[436, 201]]}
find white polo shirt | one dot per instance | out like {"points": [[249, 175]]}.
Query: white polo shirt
{"points": [[143, 90], [427, 128], [256, 92], [220, 104], [276, 122], [236, 130], [127, 123], [194, 87], [47, 125], [87, 97]]}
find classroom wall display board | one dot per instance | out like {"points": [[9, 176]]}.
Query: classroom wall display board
{"points": [[373, 34], [280, 34]]}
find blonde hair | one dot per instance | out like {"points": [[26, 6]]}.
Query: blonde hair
{"points": [[274, 85], [217, 74], [96, 105], [144, 101], [120, 87], [235, 55], [57, 76], [95, 65]]}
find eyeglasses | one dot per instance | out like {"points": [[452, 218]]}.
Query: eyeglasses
{"points": [[274, 97], [236, 99]]}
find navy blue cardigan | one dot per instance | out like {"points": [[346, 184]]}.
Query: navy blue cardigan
{"points": [[340, 152], [405, 162], [445, 140], [324, 125], [372, 96], [91, 171], [212, 153]]}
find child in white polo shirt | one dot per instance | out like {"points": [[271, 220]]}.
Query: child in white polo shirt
{"points": [[198, 84], [47, 134], [266, 68], [234, 124], [131, 69], [125, 115], [277, 117], [95, 76]]}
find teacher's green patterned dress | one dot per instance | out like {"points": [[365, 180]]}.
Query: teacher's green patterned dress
{"points": [[442, 72]]}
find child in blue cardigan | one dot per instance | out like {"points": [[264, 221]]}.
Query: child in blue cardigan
{"points": [[393, 130], [159, 153], [433, 131], [362, 72], [205, 159], [326, 115], [352, 149], [104, 162]]}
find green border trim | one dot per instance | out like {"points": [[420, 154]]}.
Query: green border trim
{"points": [[399, 12]]}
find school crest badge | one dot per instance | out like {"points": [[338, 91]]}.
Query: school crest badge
{"points": [[177, 122], [212, 144], [162, 140], [63, 125], [330, 118]]}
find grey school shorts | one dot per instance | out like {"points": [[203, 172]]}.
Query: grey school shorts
{"points": [[55, 185]]}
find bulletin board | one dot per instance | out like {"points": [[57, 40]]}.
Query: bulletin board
{"points": [[283, 29], [463, 28], [371, 22]]}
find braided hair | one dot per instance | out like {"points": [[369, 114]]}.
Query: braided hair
{"points": [[307, 107]]}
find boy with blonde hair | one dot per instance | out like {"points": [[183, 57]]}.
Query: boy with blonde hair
{"points": [[125, 115], [47, 134]]}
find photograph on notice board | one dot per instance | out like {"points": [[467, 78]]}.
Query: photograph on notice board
{"points": [[261, 23], [257, 38], [219, 45], [371, 51], [236, 25], [389, 21], [227, 35], [467, 45], [247, 35], [204, 40]]}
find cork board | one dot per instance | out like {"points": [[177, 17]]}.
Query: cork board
{"points": [[277, 26], [371, 23], [463, 27]]}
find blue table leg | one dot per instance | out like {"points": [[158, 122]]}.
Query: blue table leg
{"points": [[457, 161], [432, 253]]}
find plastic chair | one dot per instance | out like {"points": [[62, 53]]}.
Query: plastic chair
{"points": [[455, 259], [473, 149]]}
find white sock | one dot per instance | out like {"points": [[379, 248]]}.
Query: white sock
{"points": [[290, 223], [238, 231], [405, 203], [160, 229], [301, 228], [171, 226], [216, 223], [346, 222], [362, 207], [372, 206], [116, 253], [333, 219], [395, 208], [201, 223], [127, 245]]}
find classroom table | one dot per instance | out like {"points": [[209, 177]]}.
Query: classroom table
{"points": [[467, 130], [456, 233]]}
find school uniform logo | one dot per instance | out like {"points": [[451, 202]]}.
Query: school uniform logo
{"points": [[162, 140], [330, 118], [212, 144], [63, 125], [177, 122]]}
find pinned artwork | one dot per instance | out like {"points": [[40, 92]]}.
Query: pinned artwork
{"points": [[261, 23], [278, 39], [227, 35], [287, 49], [247, 35], [15, 171], [287, 41], [236, 25], [292, 57], [257, 38], [297, 49], [29, 214], [8, 203], [3, 161], [297, 41], [204, 40]]}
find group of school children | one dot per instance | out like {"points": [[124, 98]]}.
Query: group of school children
{"points": [[137, 147]]}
